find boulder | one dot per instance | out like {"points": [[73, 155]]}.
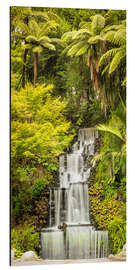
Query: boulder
{"points": [[123, 251], [118, 257], [12, 255], [29, 256], [124, 248]]}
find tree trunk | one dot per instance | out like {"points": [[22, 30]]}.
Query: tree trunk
{"points": [[35, 67], [26, 20], [24, 67]]}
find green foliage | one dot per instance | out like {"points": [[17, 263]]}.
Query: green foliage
{"points": [[80, 57], [38, 126], [98, 23], [24, 238], [117, 233], [38, 187], [39, 134], [116, 35]]}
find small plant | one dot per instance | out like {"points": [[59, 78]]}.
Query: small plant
{"points": [[24, 238], [117, 233]]}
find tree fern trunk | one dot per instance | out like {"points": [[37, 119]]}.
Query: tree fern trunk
{"points": [[24, 67], [35, 67]]}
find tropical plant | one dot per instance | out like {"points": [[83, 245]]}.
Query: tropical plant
{"points": [[85, 41], [117, 232], [37, 39], [116, 35]]}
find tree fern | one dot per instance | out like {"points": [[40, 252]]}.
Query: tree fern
{"points": [[115, 34]]}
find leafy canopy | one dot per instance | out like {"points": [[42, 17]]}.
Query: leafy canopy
{"points": [[38, 127]]}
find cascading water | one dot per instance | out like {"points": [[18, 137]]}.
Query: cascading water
{"points": [[69, 205]]}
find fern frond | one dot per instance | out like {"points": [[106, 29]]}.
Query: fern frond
{"points": [[106, 55], [23, 27], [116, 37], [111, 27], [47, 27], [31, 39], [58, 41], [75, 48], [85, 25], [82, 50], [124, 82], [109, 36], [65, 51], [82, 33], [44, 39], [94, 40], [68, 36], [116, 60], [112, 130], [105, 69], [98, 157], [34, 28], [97, 24], [49, 46], [120, 37], [37, 49]]}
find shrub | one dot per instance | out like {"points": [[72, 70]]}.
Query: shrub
{"points": [[38, 187], [24, 238], [117, 234]]}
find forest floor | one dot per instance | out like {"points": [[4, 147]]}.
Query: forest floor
{"points": [[43, 262]]}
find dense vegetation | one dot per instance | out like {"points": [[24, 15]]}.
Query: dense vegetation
{"points": [[68, 70]]}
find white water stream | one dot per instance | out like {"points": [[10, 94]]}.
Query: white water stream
{"points": [[69, 204]]}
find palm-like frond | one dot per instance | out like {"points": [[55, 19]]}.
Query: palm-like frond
{"points": [[116, 34], [86, 25], [44, 39], [31, 39], [37, 49], [114, 130], [49, 46], [98, 157], [105, 69], [117, 59], [47, 27], [82, 50], [109, 54], [97, 24], [34, 28], [68, 36], [94, 40], [82, 34], [58, 41], [78, 46]]}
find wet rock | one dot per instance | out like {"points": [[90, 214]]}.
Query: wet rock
{"points": [[29, 256]]}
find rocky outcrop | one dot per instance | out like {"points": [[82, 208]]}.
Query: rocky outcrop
{"points": [[29, 256]]}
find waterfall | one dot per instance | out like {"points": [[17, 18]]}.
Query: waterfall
{"points": [[69, 205], [78, 204]]}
